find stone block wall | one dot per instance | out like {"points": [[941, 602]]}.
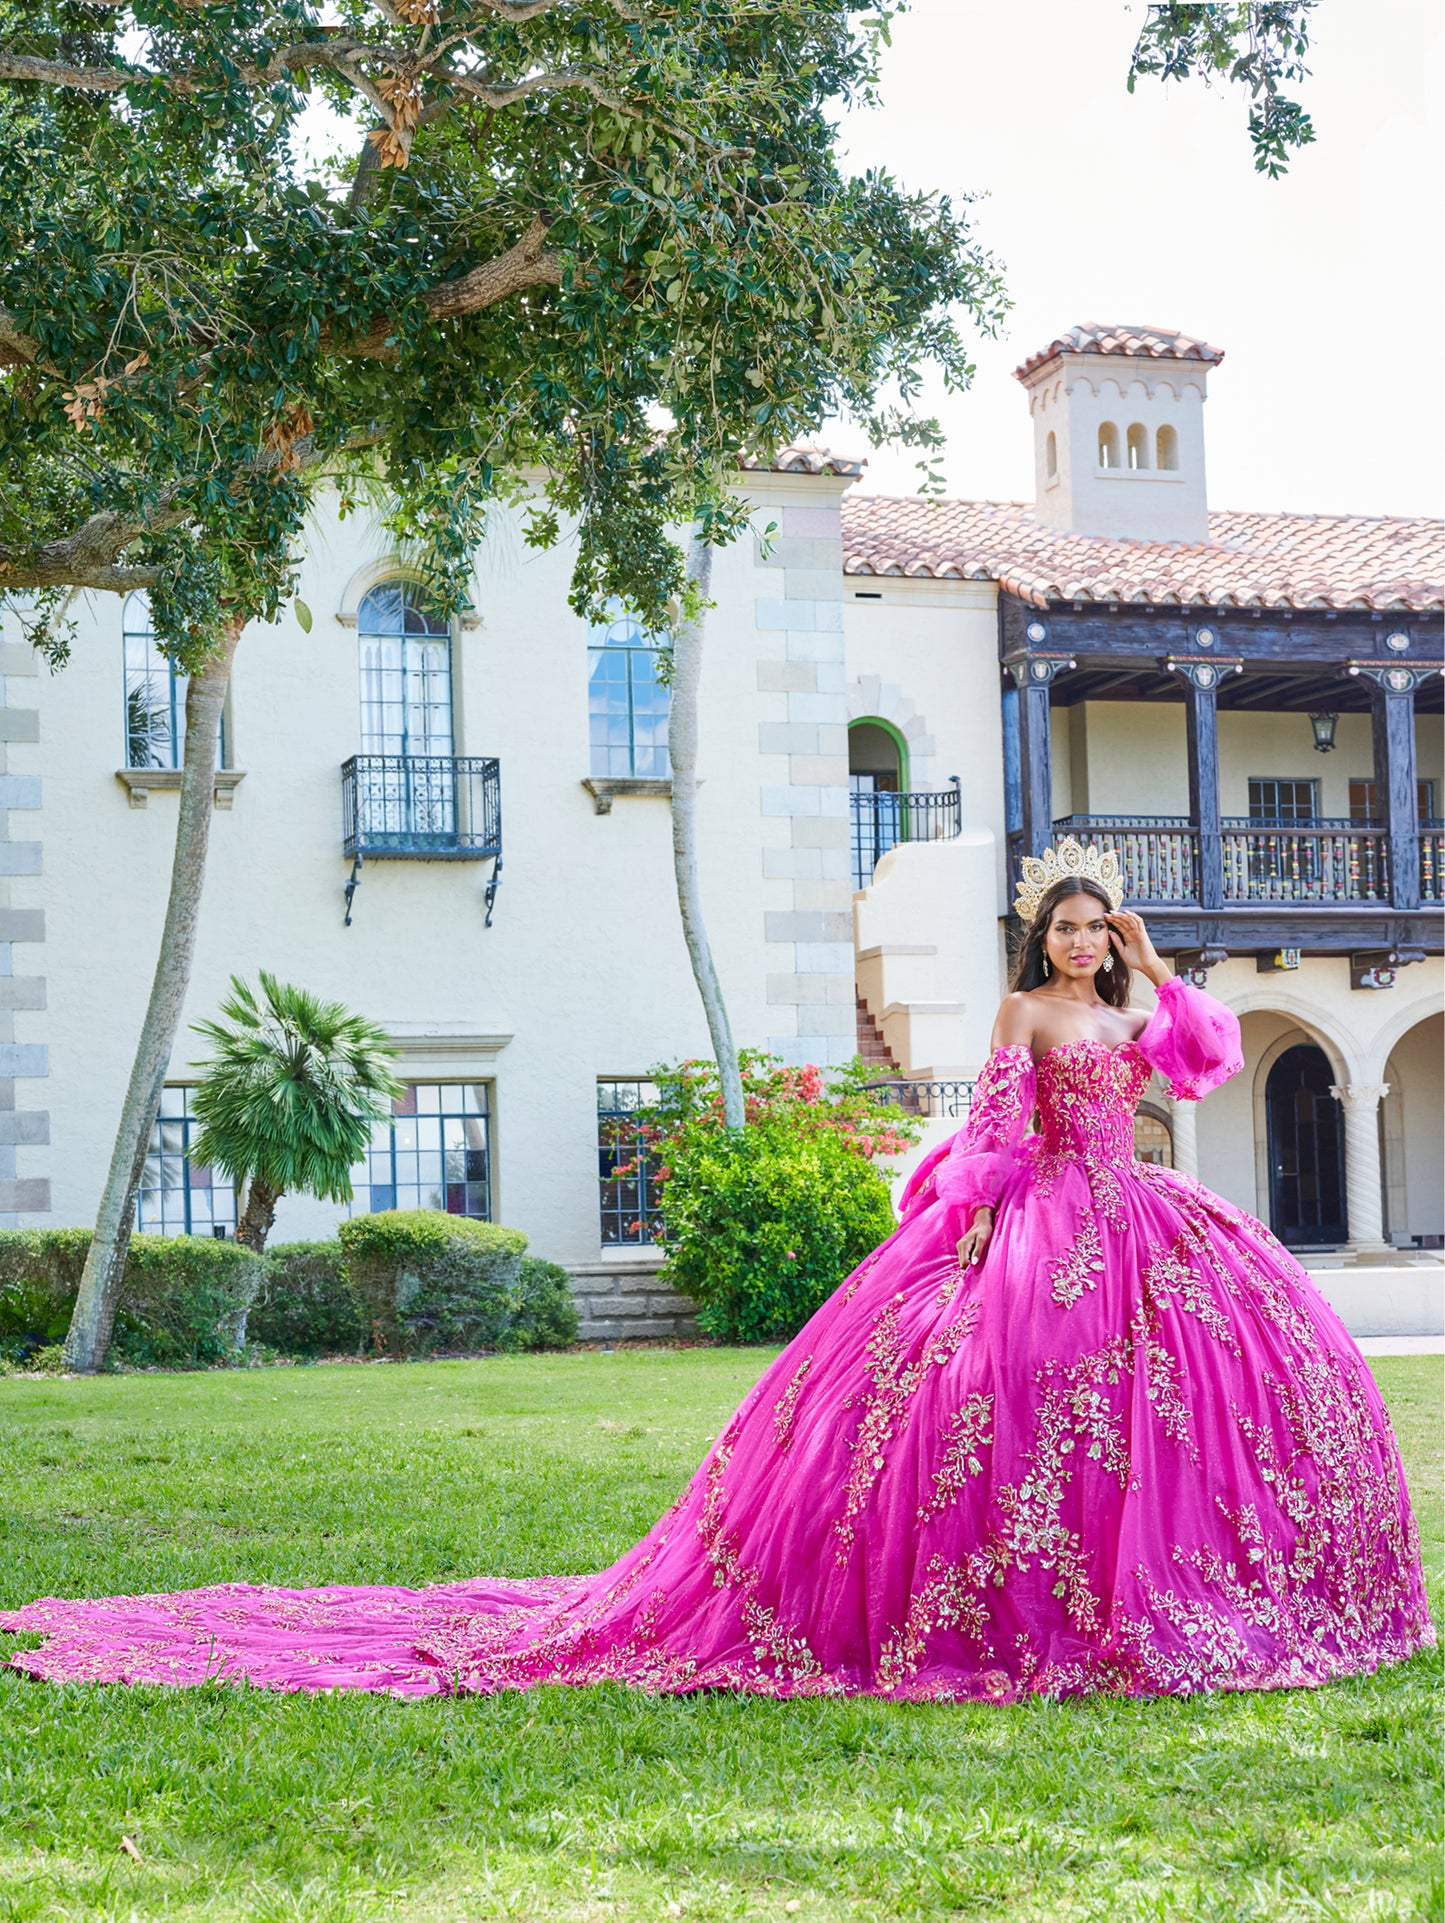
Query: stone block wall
{"points": [[812, 994], [621, 1300], [20, 923]]}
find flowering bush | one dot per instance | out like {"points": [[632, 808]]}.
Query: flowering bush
{"points": [[762, 1225]]}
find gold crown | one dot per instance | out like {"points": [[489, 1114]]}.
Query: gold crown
{"points": [[1070, 860]]}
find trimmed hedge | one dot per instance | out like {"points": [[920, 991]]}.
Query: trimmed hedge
{"points": [[763, 1226], [546, 1314], [307, 1305], [184, 1300], [428, 1280]]}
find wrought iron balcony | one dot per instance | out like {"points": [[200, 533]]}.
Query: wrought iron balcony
{"points": [[881, 820], [948, 1101], [421, 807]]}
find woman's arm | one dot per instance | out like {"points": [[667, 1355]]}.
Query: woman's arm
{"points": [[1013, 1028]]}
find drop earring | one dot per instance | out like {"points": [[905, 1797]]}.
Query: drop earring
{"points": [[1108, 964], [1046, 968]]}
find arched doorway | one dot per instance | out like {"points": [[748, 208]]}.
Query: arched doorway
{"points": [[1153, 1138], [1306, 1150], [876, 775]]}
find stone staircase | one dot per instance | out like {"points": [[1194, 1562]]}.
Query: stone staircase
{"points": [[873, 1048]]}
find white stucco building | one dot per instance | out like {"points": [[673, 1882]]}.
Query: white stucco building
{"points": [[899, 697]]}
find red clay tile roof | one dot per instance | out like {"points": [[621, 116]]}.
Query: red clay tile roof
{"points": [[1250, 560], [803, 459], [1098, 337]]}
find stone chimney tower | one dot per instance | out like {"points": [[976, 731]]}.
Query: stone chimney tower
{"points": [[1119, 432]]}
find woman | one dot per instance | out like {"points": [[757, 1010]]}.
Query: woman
{"points": [[1077, 1425]]}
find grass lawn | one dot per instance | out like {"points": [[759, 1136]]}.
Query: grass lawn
{"points": [[600, 1803]]}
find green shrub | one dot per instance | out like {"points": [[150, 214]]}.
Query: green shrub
{"points": [[306, 1305], [184, 1299], [428, 1280], [764, 1224], [546, 1312]]}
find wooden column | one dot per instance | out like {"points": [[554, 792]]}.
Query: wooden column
{"points": [[1033, 677], [1392, 710], [1201, 700]]}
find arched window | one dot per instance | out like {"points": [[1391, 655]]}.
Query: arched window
{"points": [[406, 673], [1051, 455], [1108, 445], [1138, 445], [1166, 448], [155, 695], [627, 701]]}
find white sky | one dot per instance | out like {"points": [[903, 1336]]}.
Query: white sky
{"points": [[1324, 289]]}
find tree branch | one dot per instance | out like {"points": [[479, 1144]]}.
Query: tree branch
{"points": [[530, 263]]}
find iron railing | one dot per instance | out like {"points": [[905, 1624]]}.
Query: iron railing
{"points": [[882, 820], [422, 807], [1305, 861], [934, 1101], [1158, 854], [1432, 859]]}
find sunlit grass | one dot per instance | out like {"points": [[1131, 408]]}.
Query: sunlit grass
{"points": [[600, 1803]]}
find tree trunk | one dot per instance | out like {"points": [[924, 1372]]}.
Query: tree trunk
{"points": [[88, 1340], [259, 1216], [682, 750]]}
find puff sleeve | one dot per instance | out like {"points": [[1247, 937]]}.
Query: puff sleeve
{"points": [[971, 1169], [1191, 1040]]}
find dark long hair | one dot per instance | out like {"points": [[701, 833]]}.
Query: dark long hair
{"points": [[1111, 985]]}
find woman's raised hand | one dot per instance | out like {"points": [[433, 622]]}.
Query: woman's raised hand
{"points": [[1132, 945], [975, 1239]]}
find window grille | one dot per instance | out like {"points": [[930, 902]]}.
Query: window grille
{"points": [[406, 673], [433, 1153], [155, 696], [178, 1196], [630, 1206], [627, 702], [1272, 800]]}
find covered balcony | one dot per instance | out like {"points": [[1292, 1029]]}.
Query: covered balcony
{"points": [[1267, 778]]}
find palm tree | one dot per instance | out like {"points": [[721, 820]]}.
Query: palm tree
{"points": [[288, 1099]]}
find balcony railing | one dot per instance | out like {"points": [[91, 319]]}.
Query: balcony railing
{"points": [[935, 1101], [1432, 859], [422, 807], [881, 821], [1159, 854], [1298, 861]]}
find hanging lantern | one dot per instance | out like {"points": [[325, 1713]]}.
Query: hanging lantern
{"points": [[1324, 726]]}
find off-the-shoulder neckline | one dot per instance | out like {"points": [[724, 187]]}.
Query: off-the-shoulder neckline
{"points": [[1083, 1041]]}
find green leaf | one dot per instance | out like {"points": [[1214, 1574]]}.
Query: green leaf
{"points": [[303, 615]]}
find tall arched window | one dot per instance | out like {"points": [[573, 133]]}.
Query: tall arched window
{"points": [[1108, 445], [1051, 455], [155, 695], [1166, 448], [1138, 445], [406, 673], [627, 701]]}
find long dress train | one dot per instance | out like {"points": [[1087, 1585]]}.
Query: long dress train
{"points": [[1131, 1451]]}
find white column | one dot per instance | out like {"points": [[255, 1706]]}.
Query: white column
{"points": [[1184, 1127], [1363, 1195]]}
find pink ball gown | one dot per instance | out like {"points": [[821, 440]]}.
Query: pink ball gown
{"points": [[1131, 1451]]}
